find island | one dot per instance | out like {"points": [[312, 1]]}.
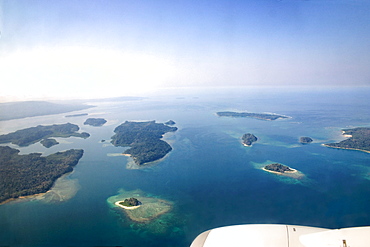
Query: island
{"points": [[77, 115], [150, 208], [260, 116], [32, 135], [49, 142], [248, 139], [144, 140], [305, 140], [170, 122], [96, 122], [130, 204], [25, 175], [359, 139], [278, 168]]}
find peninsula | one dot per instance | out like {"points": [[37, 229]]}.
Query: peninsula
{"points": [[25, 175], [144, 140], [95, 122], [260, 116], [32, 135], [359, 139], [248, 139]]}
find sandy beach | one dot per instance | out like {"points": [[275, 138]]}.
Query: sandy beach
{"points": [[125, 207]]}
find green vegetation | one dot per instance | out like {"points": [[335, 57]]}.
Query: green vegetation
{"points": [[276, 167], [359, 140], [23, 175], [248, 139], [144, 140], [32, 135], [305, 140], [16, 110], [95, 122], [49, 142], [132, 202], [261, 116]]}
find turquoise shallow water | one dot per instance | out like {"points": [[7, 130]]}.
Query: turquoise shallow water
{"points": [[209, 176]]}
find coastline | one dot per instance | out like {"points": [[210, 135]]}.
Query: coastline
{"points": [[355, 149], [125, 207], [21, 198]]}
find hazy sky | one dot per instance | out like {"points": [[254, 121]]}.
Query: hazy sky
{"points": [[106, 48]]}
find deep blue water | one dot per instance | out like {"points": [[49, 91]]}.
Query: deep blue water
{"points": [[210, 177]]}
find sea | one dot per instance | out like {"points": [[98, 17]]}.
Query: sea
{"points": [[209, 178]]}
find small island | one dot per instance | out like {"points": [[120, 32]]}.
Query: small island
{"points": [[129, 204], [170, 122], [305, 140], [260, 116], [96, 122], [148, 209], [25, 175], [33, 135], [359, 139], [278, 168], [143, 138], [248, 139], [49, 142]]}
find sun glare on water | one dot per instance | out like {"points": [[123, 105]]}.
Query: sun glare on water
{"points": [[79, 72]]}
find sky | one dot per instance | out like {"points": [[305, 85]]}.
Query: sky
{"points": [[91, 49]]}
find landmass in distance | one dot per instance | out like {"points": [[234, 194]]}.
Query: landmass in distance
{"points": [[260, 116], [17, 110]]}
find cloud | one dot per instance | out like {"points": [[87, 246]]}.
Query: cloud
{"points": [[80, 72]]}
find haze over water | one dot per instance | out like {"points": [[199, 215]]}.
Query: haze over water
{"points": [[209, 176]]}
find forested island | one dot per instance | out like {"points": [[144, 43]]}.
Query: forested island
{"points": [[248, 139], [276, 167], [305, 140], [24, 175], [32, 135], [261, 116], [359, 139], [49, 142], [95, 122], [131, 203], [143, 138]]}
